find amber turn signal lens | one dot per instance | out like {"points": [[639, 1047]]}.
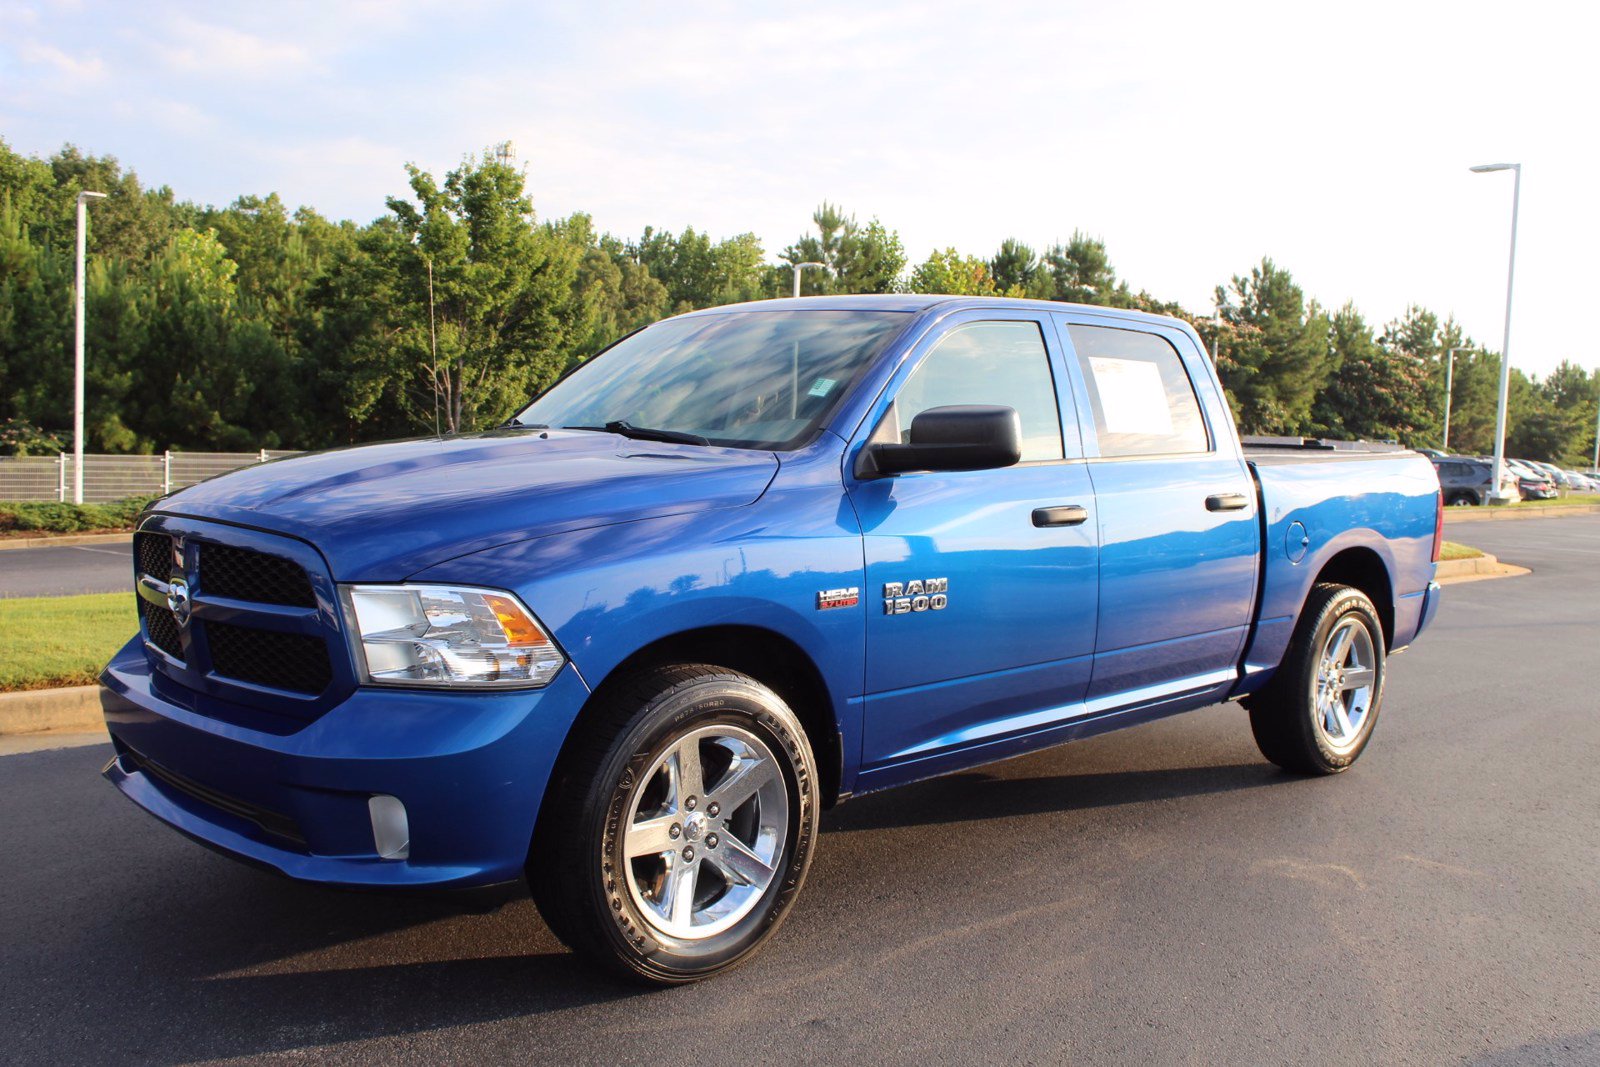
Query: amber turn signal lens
{"points": [[521, 631]]}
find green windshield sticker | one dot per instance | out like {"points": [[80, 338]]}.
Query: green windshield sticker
{"points": [[822, 386]]}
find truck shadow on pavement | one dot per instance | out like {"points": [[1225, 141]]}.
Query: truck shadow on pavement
{"points": [[159, 951], [983, 795]]}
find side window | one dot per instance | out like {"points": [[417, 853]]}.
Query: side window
{"points": [[1143, 401], [986, 363]]}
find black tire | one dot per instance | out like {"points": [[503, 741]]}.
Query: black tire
{"points": [[1289, 725], [1461, 500], [581, 878]]}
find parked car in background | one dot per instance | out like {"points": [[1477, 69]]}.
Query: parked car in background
{"points": [[1556, 474], [1533, 484], [1583, 483], [1465, 481]]}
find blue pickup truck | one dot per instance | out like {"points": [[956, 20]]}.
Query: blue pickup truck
{"points": [[742, 565]]}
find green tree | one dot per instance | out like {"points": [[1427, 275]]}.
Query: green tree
{"points": [[1377, 393], [624, 293], [859, 258], [951, 273], [700, 274], [1018, 271], [1082, 274], [498, 290], [1277, 354], [1573, 396]]}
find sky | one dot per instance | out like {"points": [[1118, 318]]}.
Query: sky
{"points": [[1194, 139]]}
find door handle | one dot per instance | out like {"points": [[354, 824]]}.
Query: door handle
{"points": [[1227, 502], [1066, 515]]}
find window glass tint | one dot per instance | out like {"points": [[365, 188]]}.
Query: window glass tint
{"points": [[989, 363], [1143, 401]]}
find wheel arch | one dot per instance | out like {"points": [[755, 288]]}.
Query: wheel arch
{"points": [[769, 657], [1362, 568]]}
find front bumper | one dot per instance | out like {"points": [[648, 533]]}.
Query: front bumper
{"points": [[470, 769]]}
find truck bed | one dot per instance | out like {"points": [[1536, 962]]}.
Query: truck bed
{"points": [[1332, 512]]}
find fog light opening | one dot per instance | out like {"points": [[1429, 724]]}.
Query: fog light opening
{"points": [[391, 832]]}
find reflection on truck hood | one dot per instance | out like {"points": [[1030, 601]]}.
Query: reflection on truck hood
{"points": [[383, 512]]}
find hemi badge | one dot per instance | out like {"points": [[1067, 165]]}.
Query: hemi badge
{"points": [[838, 598]]}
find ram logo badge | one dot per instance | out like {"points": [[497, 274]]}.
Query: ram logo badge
{"points": [[922, 594]]}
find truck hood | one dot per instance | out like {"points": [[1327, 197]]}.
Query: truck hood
{"points": [[383, 512]]}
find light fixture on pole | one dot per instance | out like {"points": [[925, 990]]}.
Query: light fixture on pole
{"points": [[1449, 391], [1505, 347], [77, 387], [798, 267]]}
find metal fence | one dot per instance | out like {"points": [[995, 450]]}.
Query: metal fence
{"points": [[108, 478]]}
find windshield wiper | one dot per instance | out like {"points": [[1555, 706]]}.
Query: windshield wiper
{"points": [[645, 433]]}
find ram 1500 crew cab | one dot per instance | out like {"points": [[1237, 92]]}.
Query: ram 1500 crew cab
{"points": [[742, 565]]}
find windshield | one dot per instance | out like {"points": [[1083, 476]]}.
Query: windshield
{"points": [[752, 379]]}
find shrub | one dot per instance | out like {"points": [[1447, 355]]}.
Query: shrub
{"points": [[70, 518]]}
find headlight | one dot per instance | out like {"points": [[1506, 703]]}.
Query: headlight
{"points": [[447, 636]]}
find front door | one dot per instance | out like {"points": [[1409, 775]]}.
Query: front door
{"points": [[981, 585]]}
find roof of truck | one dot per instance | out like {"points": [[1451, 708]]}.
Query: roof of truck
{"points": [[912, 302]]}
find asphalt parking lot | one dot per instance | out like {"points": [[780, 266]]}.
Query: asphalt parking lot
{"points": [[66, 570], [1160, 895]]}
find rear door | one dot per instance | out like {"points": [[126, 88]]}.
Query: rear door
{"points": [[1177, 511], [981, 585]]}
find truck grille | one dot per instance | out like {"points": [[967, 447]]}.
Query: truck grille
{"points": [[242, 574], [283, 661], [154, 553], [161, 628], [262, 632]]}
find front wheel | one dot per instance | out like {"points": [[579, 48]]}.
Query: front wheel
{"points": [[1319, 711], [679, 831]]}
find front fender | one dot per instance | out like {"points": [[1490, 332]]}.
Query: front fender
{"points": [[606, 593]]}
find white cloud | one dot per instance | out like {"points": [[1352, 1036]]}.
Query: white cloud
{"points": [[74, 69], [194, 47]]}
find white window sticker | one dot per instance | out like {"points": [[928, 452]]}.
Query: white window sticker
{"points": [[1132, 396], [822, 387]]}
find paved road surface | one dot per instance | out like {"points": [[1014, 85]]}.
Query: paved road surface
{"points": [[69, 569], [1155, 896]]}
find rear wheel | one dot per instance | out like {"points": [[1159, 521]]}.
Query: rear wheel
{"points": [[1319, 712], [1461, 500], [678, 833]]}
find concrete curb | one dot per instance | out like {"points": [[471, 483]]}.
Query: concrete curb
{"points": [[1471, 570], [1517, 511], [38, 710], [65, 540]]}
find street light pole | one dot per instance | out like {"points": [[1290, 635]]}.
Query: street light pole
{"points": [[798, 267], [1505, 347], [77, 410], [1596, 464], [1449, 392]]}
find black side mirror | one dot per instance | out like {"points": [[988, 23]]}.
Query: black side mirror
{"points": [[962, 437]]}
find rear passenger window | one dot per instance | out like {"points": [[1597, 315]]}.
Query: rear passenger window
{"points": [[1143, 401], [986, 363]]}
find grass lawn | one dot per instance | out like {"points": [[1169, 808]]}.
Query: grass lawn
{"points": [[61, 640], [1450, 550], [1561, 501]]}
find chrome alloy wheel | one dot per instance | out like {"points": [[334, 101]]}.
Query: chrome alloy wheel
{"points": [[1342, 689], [707, 825]]}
